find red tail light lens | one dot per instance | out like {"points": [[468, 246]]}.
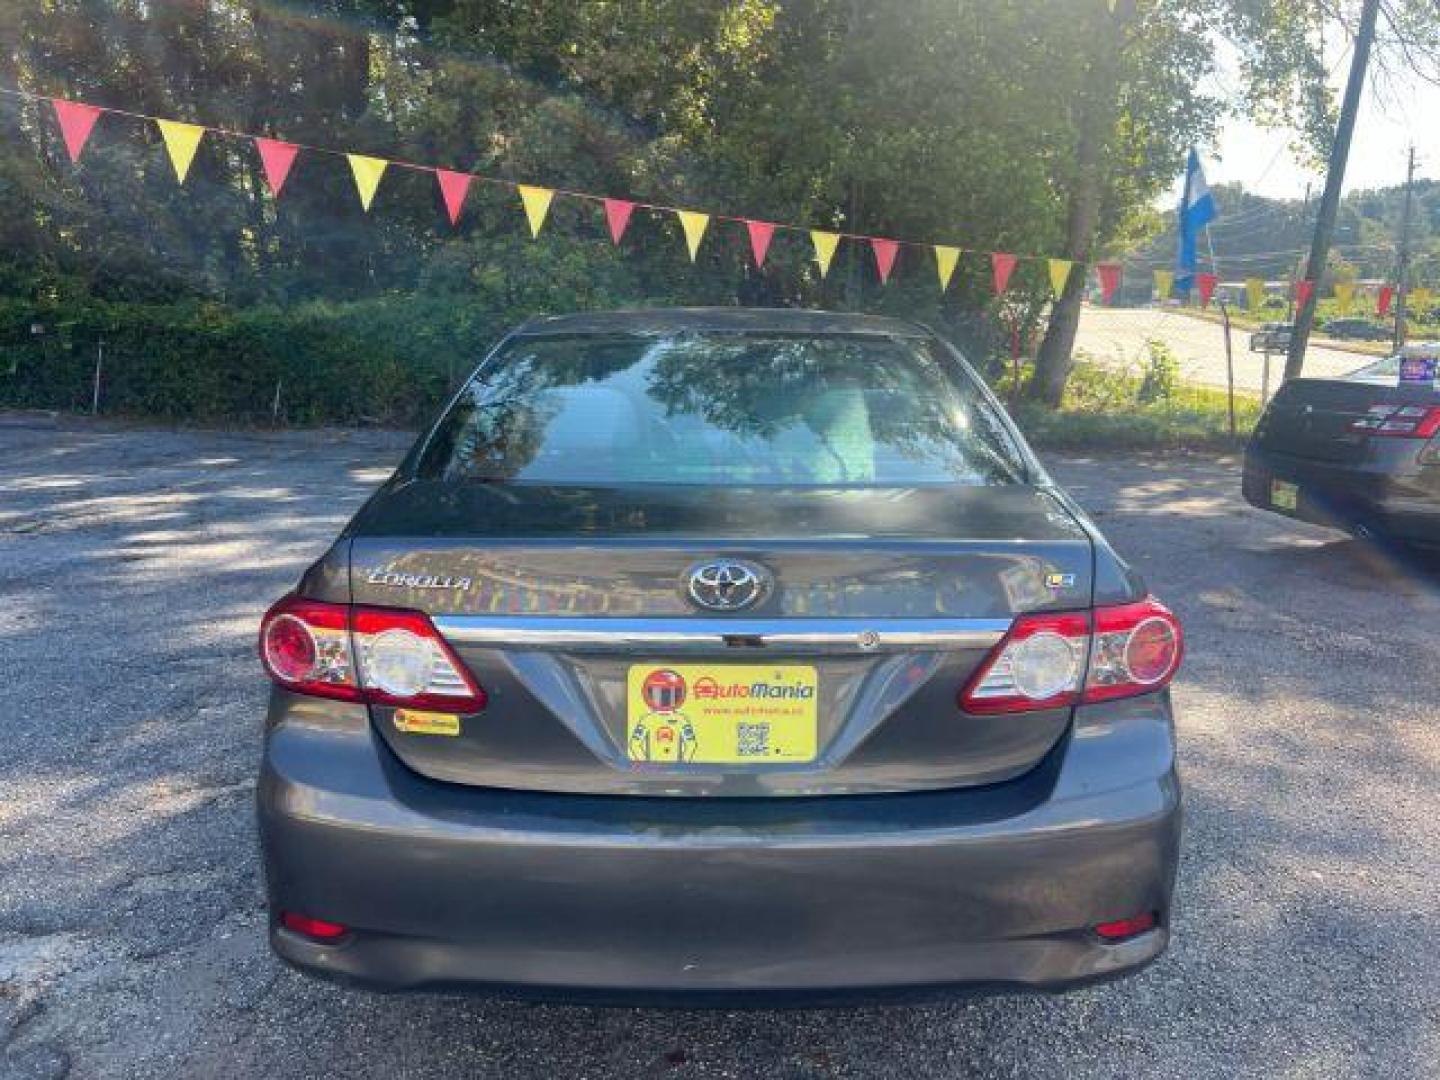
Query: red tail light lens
{"points": [[318, 929], [1399, 421], [1121, 929], [1137, 648], [305, 646], [376, 655], [1052, 661]]}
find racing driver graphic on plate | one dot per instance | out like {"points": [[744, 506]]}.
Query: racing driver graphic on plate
{"points": [[664, 733]]}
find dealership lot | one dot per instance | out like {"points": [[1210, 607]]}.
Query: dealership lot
{"points": [[135, 563]]}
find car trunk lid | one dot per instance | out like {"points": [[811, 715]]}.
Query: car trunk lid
{"points": [[561, 600]]}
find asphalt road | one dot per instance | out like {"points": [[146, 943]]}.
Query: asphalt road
{"points": [[134, 565], [1118, 335]]}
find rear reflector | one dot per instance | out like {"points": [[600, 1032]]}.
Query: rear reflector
{"points": [[318, 929], [1399, 421], [1053, 661], [382, 656], [1127, 928]]}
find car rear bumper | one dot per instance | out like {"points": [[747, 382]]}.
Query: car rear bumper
{"points": [[1395, 498], [719, 901]]}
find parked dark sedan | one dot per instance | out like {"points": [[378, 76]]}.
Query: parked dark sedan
{"points": [[1357, 329], [1360, 453], [720, 657]]}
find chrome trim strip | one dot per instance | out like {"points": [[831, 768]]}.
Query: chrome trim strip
{"points": [[798, 635]]}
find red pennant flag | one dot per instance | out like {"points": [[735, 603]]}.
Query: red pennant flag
{"points": [[617, 216], [1109, 274], [1002, 264], [1206, 284], [454, 186], [276, 158], [885, 252], [1387, 296], [1303, 291], [76, 123], [760, 235]]}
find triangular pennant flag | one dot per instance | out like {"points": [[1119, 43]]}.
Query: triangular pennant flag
{"points": [[1387, 297], [537, 205], [825, 245], [454, 186], [694, 225], [181, 142], [1418, 298], [617, 216], [1059, 275], [885, 252], [761, 233], [945, 259], [1303, 291], [76, 123], [1002, 265], [368, 171], [1164, 284], [1206, 283], [1109, 275], [1344, 296], [276, 158]]}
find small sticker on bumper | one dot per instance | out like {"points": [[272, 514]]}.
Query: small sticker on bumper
{"points": [[414, 722]]}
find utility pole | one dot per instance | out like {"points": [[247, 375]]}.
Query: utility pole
{"points": [[1403, 284], [1334, 179]]}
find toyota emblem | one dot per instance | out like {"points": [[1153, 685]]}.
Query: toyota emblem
{"points": [[727, 585]]}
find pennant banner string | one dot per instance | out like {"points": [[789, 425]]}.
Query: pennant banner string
{"points": [[77, 119]]}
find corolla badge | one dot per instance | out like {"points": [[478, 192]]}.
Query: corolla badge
{"points": [[727, 584]]}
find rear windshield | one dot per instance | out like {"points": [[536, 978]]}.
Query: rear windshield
{"points": [[722, 408]]}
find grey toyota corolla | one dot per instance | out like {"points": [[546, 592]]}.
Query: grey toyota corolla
{"points": [[720, 657]]}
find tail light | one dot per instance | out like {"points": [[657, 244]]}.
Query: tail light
{"points": [[1399, 421], [381, 656], [1053, 661]]}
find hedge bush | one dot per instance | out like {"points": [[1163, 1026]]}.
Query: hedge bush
{"points": [[386, 361]]}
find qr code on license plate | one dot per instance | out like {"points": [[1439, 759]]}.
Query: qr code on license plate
{"points": [[754, 739]]}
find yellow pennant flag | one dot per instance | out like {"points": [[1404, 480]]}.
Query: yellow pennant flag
{"points": [[1164, 283], [1344, 296], [1418, 298], [825, 245], [945, 260], [1254, 293], [694, 225], [181, 142], [1059, 275], [368, 171], [537, 205]]}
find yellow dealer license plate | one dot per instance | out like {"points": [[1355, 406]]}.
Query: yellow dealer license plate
{"points": [[1284, 496], [721, 714]]}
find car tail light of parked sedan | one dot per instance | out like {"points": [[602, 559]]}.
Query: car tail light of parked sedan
{"points": [[373, 655], [720, 657], [1048, 661]]}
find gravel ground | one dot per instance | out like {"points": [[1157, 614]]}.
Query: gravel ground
{"points": [[135, 563]]}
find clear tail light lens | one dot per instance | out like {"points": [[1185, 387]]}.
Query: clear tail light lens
{"points": [[1054, 661], [1039, 665], [376, 655]]}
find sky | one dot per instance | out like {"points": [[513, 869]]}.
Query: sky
{"points": [[1392, 116]]}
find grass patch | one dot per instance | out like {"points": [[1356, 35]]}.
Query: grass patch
{"points": [[1106, 409]]}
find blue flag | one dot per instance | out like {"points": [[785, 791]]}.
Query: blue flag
{"points": [[1197, 209]]}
